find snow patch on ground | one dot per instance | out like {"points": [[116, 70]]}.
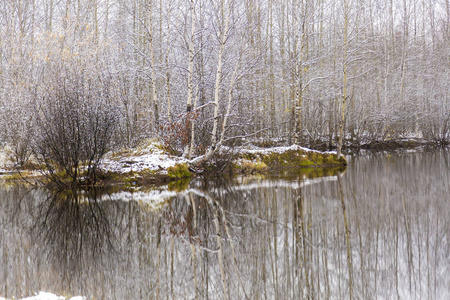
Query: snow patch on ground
{"points": [[48, 296], [148, 158], [282, 150], [152, 158]]}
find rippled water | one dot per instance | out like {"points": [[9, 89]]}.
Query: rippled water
{"points": [[378, 231]]}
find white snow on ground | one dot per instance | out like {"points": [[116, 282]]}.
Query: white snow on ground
{"points": [[152, 158], [282, 149], [149, 158], [49, 296]]}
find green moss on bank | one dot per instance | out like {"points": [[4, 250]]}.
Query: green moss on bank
{"points": [[289, 160], [179, 171]]}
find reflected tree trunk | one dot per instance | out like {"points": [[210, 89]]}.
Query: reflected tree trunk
{"points": [[347, 236]]}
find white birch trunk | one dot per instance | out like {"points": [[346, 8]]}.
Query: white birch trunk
{"points": [[154, 98], [223, 38], [186, 151]]}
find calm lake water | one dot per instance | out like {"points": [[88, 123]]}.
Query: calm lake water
{"points": [[380, 230]]}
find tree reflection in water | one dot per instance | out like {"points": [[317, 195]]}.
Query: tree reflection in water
{"points": [[75, 231], [379, 231]]}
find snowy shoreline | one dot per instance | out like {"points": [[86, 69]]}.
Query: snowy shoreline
{"points": [[150, 160], [150, 157]]}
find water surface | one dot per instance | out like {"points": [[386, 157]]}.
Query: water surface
{"points": [[378, 231]]}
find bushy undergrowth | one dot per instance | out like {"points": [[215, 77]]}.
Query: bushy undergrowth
{"points": [[74, 124]]}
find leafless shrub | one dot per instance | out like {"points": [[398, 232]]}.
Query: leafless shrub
{"points": [[74, 121]]}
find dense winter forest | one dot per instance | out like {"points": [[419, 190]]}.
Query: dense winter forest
{"points": [[202, 73]]}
